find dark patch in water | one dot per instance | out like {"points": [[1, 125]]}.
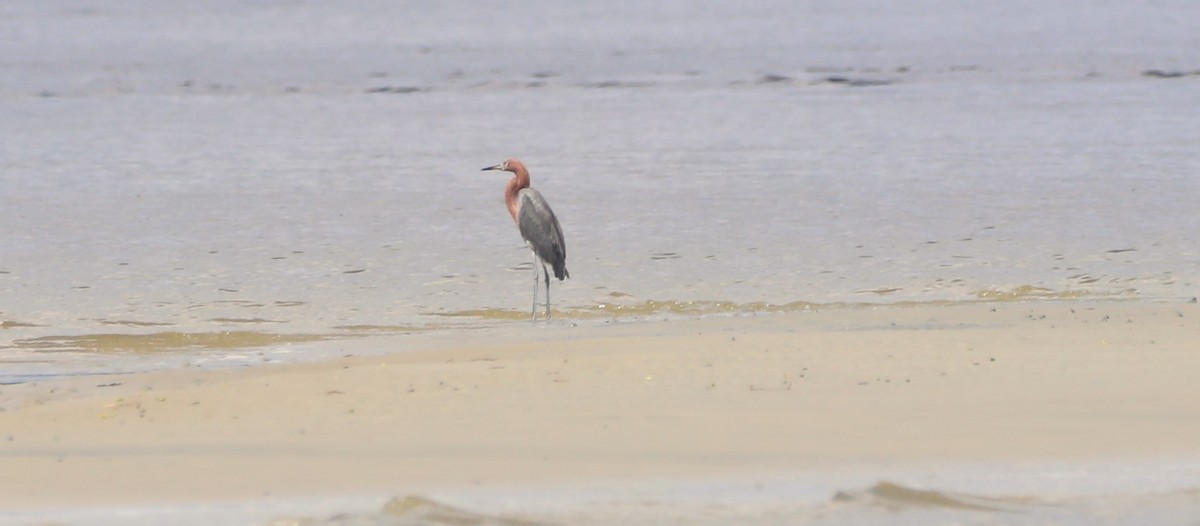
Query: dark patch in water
{"points": [[398, 89], [616, 84], [772, 78], [857, 82], [880, 291], [1160, 74], [134, 323], [10, 324]]}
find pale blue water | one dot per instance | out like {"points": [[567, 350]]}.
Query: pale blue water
{"points": [[177, 165], [299, 168], [233, 166]]}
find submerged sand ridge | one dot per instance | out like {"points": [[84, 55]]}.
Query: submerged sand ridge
{"points": [[535, 405]]}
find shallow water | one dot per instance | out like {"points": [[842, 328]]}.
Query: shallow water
{"points": [[1151, 491], [302, 170]]}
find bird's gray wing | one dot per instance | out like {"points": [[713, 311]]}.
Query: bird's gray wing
{"points": [[539, 227]]}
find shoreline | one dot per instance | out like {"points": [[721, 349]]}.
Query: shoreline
{"points": [[817, 391], [81, 354]]}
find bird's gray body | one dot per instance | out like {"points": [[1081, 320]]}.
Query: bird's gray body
{"points": [[540, 229]]}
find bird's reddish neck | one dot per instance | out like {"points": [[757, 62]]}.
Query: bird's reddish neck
{"points": [[519, 181]]}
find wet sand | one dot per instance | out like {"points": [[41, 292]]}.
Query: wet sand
{"points": [[538, 406]]}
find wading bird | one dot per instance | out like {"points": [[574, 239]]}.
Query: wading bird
{"points": [[538, 225]]}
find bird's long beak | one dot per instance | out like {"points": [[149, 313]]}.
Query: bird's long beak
{"points": [[496, 167]]}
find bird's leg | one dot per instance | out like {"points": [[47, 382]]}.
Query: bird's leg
{"points": [[546, 274], [533, 309]]}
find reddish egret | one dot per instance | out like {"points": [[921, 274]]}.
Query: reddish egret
{"points": [[538, 225]]}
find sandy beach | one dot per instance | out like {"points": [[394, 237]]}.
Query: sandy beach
{"points": [[772, 395]]}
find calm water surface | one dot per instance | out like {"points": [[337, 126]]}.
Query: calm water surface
{"points": [[301, 169]]}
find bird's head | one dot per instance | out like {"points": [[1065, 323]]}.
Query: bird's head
{"points": [[511, 165]]}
